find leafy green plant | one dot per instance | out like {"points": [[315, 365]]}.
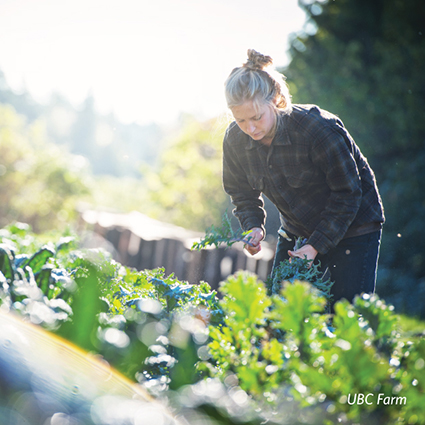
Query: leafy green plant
{"points": [[222, 235], [299, 269], [267, 353], [35, 285], [365, 354], [132, 318]]}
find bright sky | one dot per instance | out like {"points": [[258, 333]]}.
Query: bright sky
{"points": [[146, 60]]}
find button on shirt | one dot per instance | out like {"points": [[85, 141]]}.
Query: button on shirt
{"points": [[313, 172]]}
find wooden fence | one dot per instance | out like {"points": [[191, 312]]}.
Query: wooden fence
{"points": [[144, 243]]}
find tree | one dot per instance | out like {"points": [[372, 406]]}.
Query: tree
{"points": [[40, 184], [187, 189], [22, 102], [364, 61]]}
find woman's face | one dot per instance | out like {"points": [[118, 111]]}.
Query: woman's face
{"points": [[258, 123]]}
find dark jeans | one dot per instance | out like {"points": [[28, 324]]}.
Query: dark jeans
{"points": [[352, 264]]}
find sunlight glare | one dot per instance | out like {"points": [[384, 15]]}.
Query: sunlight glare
{"points": [[144, 61]]}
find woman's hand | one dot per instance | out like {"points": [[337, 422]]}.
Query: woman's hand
{"points": [[254, 238], [306, 251]]}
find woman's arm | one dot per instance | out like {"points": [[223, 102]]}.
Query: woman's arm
{"points": [[248, 201], [334, 157]]}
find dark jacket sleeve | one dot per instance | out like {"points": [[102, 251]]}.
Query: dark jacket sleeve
{"points": [[334, 154], [247, 200]]}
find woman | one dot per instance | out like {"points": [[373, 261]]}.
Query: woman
{"points": [[305, 161]]}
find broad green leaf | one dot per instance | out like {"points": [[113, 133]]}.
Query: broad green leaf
{"points": [[298, 302], [245, 299], [39, 259], [43, 278], [86, 306], [6, 262], [66, 243]]}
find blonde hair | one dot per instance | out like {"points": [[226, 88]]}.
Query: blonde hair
{"points": [[256, 81]]}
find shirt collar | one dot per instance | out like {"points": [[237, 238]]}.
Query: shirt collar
{"points": [[281, 137]]}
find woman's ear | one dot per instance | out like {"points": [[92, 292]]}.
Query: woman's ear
{"points": [[279, 101]]}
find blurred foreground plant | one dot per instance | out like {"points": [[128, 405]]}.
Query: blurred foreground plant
{"points": [[270, 356], [280, 348]]}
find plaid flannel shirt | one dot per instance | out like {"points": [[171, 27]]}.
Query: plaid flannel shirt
{"points": [[313, 172]]}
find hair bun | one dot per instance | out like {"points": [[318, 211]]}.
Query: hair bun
{"points": [[257, 61]]}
